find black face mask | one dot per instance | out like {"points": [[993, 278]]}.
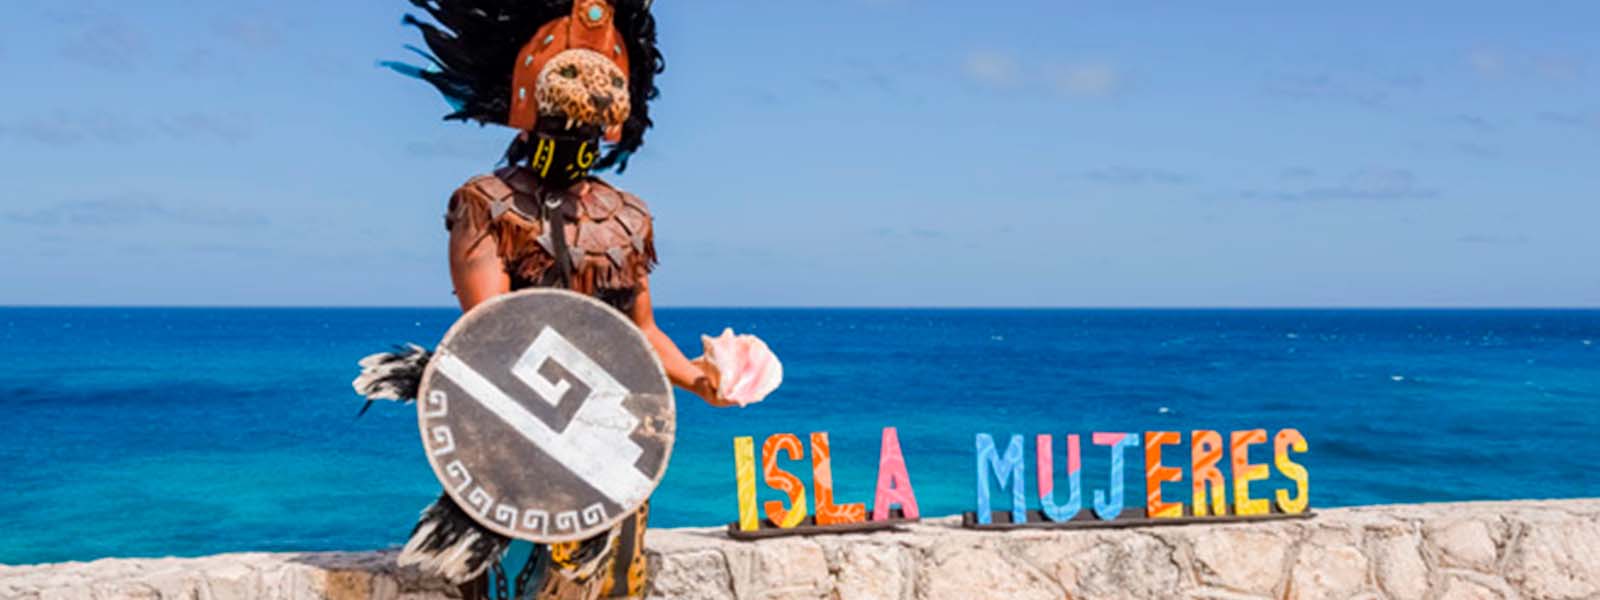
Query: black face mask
{"points": [[562, 157]]}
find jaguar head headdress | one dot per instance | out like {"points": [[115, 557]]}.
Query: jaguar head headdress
{"points": [[544, 64]]}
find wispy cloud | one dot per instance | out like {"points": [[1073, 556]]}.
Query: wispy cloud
{"points": [[65, 129], [1495, 63], [1368, 184], [1339, 88], [250, 30], [69, 128], [1474, 123], [1485, 239], [1478, 150], [1576, 120], [1125, 175], [992, 68], [130, 210], [448, 148], [1297, 173], [1092, 80], [102, 40], [1002, 70], [922, 233]]}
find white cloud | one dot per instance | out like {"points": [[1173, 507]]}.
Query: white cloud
{"points": [[1488, 62], [1498, 63], [992, 68], [1089, 80], [1076, 80]]}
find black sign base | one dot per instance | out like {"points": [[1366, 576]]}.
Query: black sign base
{"points": [[810, 527]]}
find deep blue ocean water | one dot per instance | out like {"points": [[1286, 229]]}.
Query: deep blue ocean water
{"points": [[140, 432]]}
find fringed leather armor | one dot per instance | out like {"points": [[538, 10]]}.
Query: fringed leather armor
{"points": [[608, 243]]}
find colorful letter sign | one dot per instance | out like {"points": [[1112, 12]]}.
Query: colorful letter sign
{"points": [[893, 489], [1201, 474]]}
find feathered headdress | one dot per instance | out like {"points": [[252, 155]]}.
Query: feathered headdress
{"points": [[478, 49]]}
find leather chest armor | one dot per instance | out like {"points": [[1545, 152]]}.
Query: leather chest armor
{"points": [[608, 241]]}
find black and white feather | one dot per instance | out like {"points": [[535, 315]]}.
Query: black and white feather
{"points": [[393, 376], [448, 543]]}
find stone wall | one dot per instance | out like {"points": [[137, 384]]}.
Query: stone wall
{"points": [[1433, 552]]}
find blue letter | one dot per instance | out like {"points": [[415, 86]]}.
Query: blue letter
{"points": [[1108, 511], [1011, 467]]}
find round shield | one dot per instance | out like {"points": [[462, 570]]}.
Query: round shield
{"points": [[546, 415]]}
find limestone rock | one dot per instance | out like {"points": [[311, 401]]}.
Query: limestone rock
{"points": [[1464, 543], [1241, 558], [1401, 571], [1557, 556], [1330, 565]]}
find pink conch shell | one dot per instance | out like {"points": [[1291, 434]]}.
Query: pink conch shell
{"points": [[749, 371]]}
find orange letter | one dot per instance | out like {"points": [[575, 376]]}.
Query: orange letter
{"points": [[783, 481], [1244, 473], [1291, 438], [1155, 474], [822, 479], [1205, 454], [744, 466]]}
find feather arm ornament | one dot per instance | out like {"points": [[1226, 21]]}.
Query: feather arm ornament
{"points": [[393, 376], [448, 543]]}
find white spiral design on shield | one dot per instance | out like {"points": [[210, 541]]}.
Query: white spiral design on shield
{"points": [[567, 520], [507, 515], [593, 515], [536, 520], [438, 405], [446, 440], [480, 500], [459, 471]]}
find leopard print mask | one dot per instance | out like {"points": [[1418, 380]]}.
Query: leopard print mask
{"points": [[583, 87]]}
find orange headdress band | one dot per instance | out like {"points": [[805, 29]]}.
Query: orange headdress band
{"points": [[589, 27]]}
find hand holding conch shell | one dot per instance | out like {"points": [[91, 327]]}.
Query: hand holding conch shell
{"points": [[742, 367]]}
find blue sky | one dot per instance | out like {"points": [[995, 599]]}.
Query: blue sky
{"points": [[839, 152]]}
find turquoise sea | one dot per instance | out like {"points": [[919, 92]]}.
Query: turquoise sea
{"points": [[144, 432]]}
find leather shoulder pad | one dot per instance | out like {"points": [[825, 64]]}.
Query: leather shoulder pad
{"points": [[475, 200]]}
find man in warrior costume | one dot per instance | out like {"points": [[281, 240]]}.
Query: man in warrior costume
{"points": [[566, 74]]}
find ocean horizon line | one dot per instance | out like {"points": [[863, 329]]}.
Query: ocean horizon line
{"points": [[862, 307]]}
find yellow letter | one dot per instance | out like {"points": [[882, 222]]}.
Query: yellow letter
{"points": [[1291, 438], [744, 465], [1206, 454], [1244, 473]]}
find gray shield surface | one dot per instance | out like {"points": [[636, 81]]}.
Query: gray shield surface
{"points": [[546, 415]]}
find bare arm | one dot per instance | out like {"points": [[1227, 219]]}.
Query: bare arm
{"points": [[683, 372], [475, 266]]}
